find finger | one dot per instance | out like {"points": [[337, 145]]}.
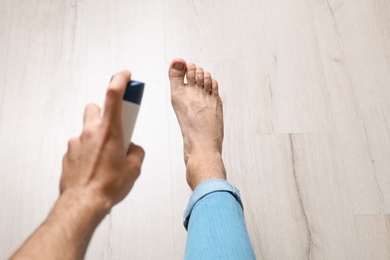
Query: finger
{"points": [[114, 96], [91, 113], [73, 147], [136, 155]]}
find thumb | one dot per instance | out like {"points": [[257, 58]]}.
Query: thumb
{"points": [[136, 155]]}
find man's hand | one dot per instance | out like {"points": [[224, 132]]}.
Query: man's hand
{"points": [[96, 161], [97, 173]]}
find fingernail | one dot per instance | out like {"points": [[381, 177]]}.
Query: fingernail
{"points": [[178, 66], [112, 78]]}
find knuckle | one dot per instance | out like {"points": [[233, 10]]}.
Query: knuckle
{"points": [[87, 132], [142, 153], [138, 152], [72, 143], [136, 167], [90, 105], [109, 131], [135, 161], [113, 92]]}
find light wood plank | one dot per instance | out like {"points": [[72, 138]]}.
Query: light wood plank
{"points": [[38, 91], [283, 60], [273, 206], [306, 103], [322, 186], [144, 219], [382, 15], [5, 12], [374, 235], [261, 167], [359, 106], [201, 30]]}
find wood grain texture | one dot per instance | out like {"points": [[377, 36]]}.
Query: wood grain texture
{"points": [[305, 86], [289, 65], [374, 235], [352, 129]]}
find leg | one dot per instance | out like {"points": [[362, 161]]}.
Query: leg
{"points": [[216, 224], [214, 216]]}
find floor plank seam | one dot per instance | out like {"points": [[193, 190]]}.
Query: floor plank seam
{"points": [[293, 158], [382, 197]]}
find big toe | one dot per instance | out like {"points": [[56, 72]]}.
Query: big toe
{"points": [[176, 72]]}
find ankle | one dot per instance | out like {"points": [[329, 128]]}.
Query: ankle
{"points": [[204, 166], [202, 151]]}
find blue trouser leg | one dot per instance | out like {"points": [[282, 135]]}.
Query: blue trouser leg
{"points": [[215, 222]]}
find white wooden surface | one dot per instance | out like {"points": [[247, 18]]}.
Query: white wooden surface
{"points": [[306, 91]]}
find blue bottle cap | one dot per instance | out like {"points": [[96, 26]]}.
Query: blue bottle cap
{"points": [[134, 92]]}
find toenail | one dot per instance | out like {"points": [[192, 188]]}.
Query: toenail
{"points": [[178, 66]]}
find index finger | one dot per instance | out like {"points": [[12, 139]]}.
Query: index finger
{"points": [[114, 96]]}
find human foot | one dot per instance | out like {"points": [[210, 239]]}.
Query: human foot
{"points": [[198, 108]]}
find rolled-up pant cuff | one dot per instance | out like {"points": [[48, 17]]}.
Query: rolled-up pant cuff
{"points": [[205, 188]]}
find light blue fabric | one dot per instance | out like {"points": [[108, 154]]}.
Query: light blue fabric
{"points": [[215, 222]]}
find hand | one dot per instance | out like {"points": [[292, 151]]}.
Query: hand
{"points": [[96, 162], [97, 173]]}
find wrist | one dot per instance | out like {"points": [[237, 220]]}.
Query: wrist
{"points": [[66, 232], [85, 202]]}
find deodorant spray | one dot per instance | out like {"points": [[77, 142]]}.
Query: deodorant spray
{"points": [[130, 107]]}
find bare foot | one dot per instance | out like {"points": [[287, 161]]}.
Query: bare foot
{"points": [[198, 108]]}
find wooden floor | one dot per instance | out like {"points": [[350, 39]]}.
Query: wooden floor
{"points": [[306, 92]]}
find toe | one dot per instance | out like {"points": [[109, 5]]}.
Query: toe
{"points": [[191, 71], [199, 77], [176, 72], [207, 82], [214, 87]]}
